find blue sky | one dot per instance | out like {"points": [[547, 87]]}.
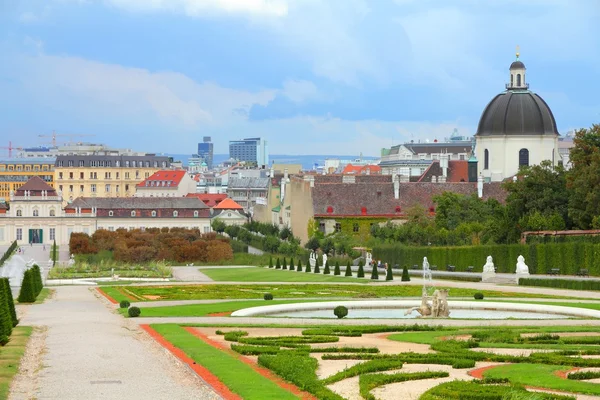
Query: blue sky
{"points": [[311, 76]]}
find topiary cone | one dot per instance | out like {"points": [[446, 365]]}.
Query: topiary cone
{"points": [[348, 269], [336, 270], [389, 276]]}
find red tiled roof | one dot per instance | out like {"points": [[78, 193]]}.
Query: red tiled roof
{"points": [[228, 204], [35, 185], [361, 169], [163, 179], [458, 171], [210, 199]]}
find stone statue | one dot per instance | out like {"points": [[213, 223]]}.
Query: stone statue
{"points": [[71, 260], [50, 264], [368, 258], [324, 259], [489, 265], [425, 264], [312, 260], [522, 268], [439, 303]]}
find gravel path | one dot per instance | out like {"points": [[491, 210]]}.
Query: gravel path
{"points": [[189, 274], [90, 352]]}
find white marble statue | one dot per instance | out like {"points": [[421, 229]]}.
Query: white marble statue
{"points": [[324, 259], [71, 260], [50, 264], [522, 268], [368, 258], [489, 265], [425, 264], [312, 260]]}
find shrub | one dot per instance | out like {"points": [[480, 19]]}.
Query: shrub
{"points": [[270, 261], [405, 275], [277, 264], [389, 276], [284, 263], [348, 270], [299, 265], [37, 279], [124, 304], [268, 296], [361, 270], [478, 296], [27, 293], [134, 312], [326, 270], [307, 267], [292, 264], [6, 321], [340, 311], [317, 269], [336, 270], [561, 283], [9, 299], [374, 272]]}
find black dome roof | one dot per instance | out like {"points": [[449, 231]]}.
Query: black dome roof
{"points": [[517, 64], [517, 113]]}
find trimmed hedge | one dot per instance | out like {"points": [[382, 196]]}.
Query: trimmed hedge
{"points": [[10, 300], [6, 321], [561, 283], [348, 270], [238, 247], [570, 257], [28, 293]]}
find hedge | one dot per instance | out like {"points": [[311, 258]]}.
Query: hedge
{"points": [[561, 283], [238, 247], [569, 257], [31, 285], [10, 300], [6, 321]]}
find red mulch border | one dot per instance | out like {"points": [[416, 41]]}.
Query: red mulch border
{"points": [[204, 373], [564, 374], [478, 372], [109, 298], [220, 314], [261, 370]]}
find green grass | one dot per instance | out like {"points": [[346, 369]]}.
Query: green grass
{"points": [[271, 275], [10, 357], [423, 337], [44, 294], [240, 378], [201, 310], [540, 375], [250, 291]]}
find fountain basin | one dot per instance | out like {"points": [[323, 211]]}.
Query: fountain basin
{"points": [[397, 308]]}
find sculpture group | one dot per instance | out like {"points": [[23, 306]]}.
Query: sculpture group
{"points": [[436, 305], [312, 259]]}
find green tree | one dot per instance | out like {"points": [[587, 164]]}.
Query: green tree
{"points": [[6, 322], [327, 245], [312, 228], [54, 253], [10, 300], [285, 233], [583, 179], [218, 225], [27, 293], [270, 261], [299, 265], [389, 276], [312, 244], [317, 265], [307, 267], [233, 231], [284, 265], [405, 275], [348, 270], [277, 264], [336, 270], [292, 264], [361, 270], [374, 272], [326, 270]]}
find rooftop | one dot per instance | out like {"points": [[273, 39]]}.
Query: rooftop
{"points": [[163, 179], [137, 203]]}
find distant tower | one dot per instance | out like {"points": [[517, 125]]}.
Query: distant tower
{"points": [[205, 151], [517, 75]]}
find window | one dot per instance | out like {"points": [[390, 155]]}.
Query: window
{"points": [[81, 175], [355, 227], [196, 214], [107, 188], [147, 175], [322, 227], [71, 188], [126, 164], [153, 213], [126, 175], [133, 164], [523, 157], [127, 188], [52, 233], [81, 188], [93, 188], [461, 157], [338, 227], [117, 163], [19, 234], [207, 229], [111, 213], [70, 163], [92, 163], [107, 175], [118, 175], [518, 79], [117, 188], [81, 163], [111, 228], [60, 188], [486, 159], [164, 164], [175, 213], [133, 213], [19, 213], [52, 212], [155, 164], [60, 175], [137, 174], [511, 79]]}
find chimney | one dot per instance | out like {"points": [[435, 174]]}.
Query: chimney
{"points": [[480, 186], [444, 164], [396, 179], [285, 174]]}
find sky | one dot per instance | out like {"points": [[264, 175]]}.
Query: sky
{"points": [[310, 76]]}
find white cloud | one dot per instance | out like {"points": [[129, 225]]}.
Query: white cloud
{"points": [[300, 91], [197, 8]]}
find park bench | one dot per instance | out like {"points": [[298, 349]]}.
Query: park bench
{"points": [[450, 268], [414, 267], [554, 271], [433, 268], [470, 268], [583, 272]]}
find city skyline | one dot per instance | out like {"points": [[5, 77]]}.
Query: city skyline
{"points": [[309, 77]]}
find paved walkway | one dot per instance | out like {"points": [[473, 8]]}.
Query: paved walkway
{"points": [[189, 274], [93, 353]]}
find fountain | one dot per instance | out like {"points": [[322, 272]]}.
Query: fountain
{"points": [[14, 269], [432, 305]]}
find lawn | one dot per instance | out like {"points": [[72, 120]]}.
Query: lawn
{"points": [[10, 357], [255, 274], [249, 291], [239, 377], [201, 310]]}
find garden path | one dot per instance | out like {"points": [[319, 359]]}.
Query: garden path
{"points": [[93, 353], [189, 274]]}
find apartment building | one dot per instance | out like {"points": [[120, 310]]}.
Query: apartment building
{"points": [[14, 172], [104, 175]]}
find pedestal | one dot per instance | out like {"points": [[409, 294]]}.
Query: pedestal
{"points": [[521, 275], [488, 276]]}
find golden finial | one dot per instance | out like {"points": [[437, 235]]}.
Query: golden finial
{"points": [[518, 52]]}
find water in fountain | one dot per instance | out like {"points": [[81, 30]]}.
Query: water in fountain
{"points": [[427, 278], [14, 269]]}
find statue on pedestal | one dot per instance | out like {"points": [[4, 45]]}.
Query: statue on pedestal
{"points": [[522, 268], [324, 259], [489, 265], [312, 260]]}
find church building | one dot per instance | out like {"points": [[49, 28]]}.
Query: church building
{"points": [[516, 129]]}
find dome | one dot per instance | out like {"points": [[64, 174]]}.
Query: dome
{"points": [[517, 65], [517, 113]]}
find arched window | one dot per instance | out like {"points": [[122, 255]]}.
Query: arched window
{"points": [[195, 213], [36, 213], [175, 213], [486, 159], [523, 157], [19, 213], [111, 213], [511, 79], [154, 213], [518, 79], [133, 213], [52, 213]]}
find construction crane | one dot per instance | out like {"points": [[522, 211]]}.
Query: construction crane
{"points": [[10, 148], [55, 135]]}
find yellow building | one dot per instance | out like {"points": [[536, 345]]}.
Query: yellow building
{"points": [[104, 175], [14, 172]]}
